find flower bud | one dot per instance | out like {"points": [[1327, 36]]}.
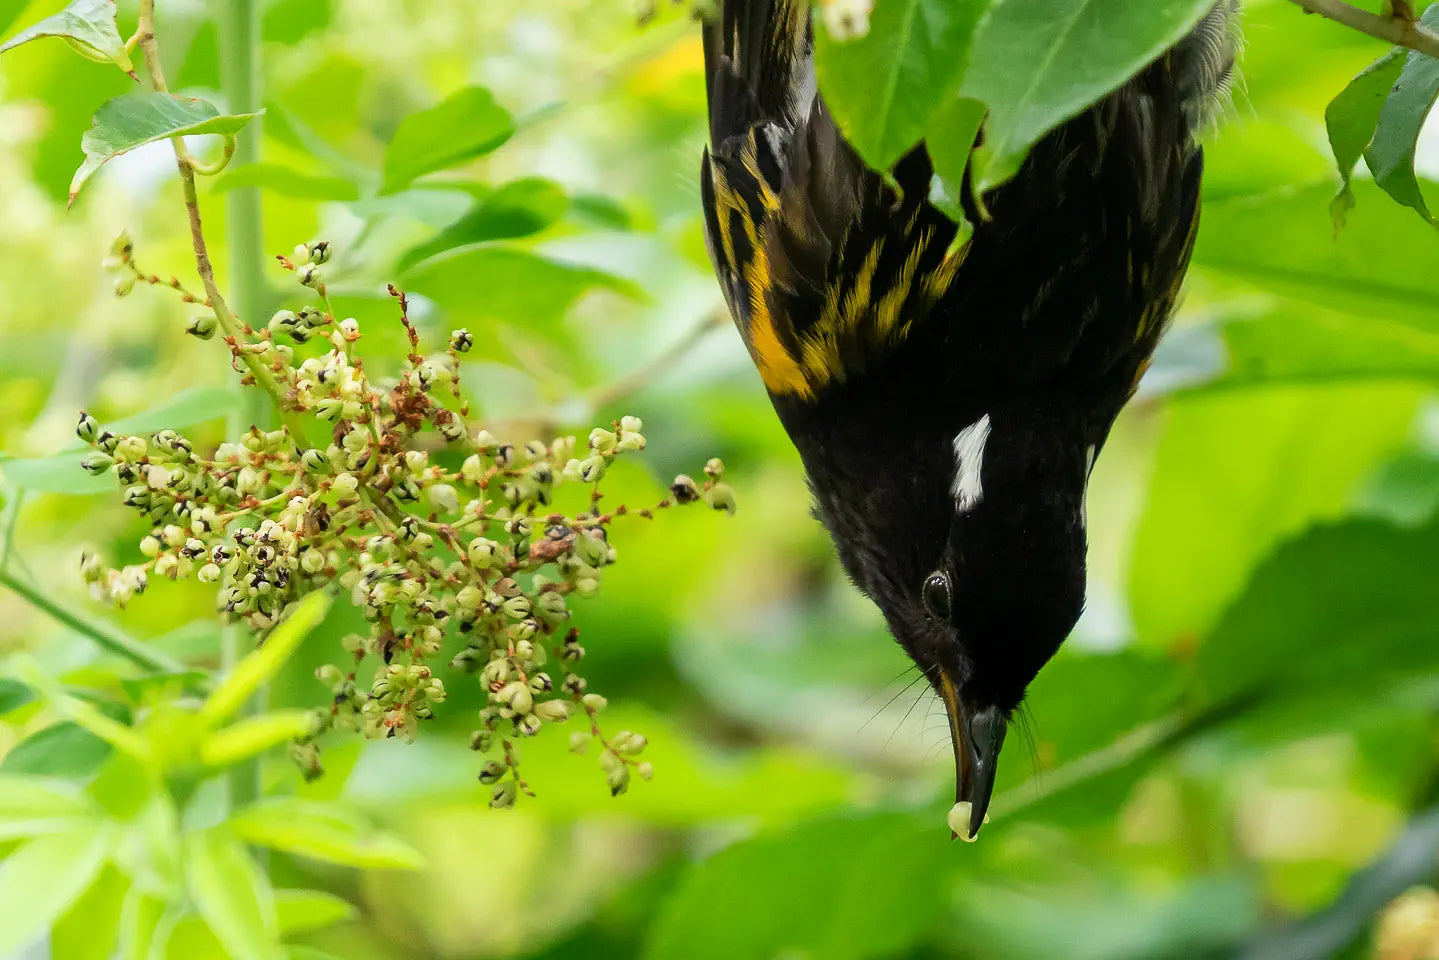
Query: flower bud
{"points": [[579, 741], [618, 780], [714, 469], [592, 469], [631, 424], [541, 683], [554, 711], [517, 697], [461, 341], [202, 326], [318, 252], [594, 703], [345, 486], [491, 772], [528, 725], [88, 428], [124, 284], [684, 490], [602, 441], [97, 463], [315, 461], [308, 275], [645, 769], [720, 497], [517, 608], [485, 441], [503, 796]]}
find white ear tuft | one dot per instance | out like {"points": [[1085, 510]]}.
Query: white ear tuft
{"points": [[969, 464]]}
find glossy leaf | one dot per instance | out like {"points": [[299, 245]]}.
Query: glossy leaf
{"points": [[323, 832], [258, 667], [1391, 153], [1351, 118], [88, 24], [1372, 621], [39, 881], [232, 894], [1217, 506], [1283, 243], [465, 125], [885, 87], [124, 123], [516, 209], [809, 892], [1040, 62]]}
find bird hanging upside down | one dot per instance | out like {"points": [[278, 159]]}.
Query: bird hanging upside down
{"points": [[949, 404]]}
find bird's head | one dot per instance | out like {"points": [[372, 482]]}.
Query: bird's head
{"points": [[973, 547]]}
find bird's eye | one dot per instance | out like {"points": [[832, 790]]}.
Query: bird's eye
{"points": [[935, 594]]}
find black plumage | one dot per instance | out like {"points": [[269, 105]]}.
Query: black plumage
{"points": [[948, 401]]}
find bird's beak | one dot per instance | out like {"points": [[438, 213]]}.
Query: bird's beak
{"points": [[977, 736]]}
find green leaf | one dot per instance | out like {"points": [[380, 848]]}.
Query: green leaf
{"points": [[885, 87], [288, 182], [951, 138], [1283, 242], [523, 288], [322, 831], [516, 209], [1036, 63], [465, 125], [253, 735], [1371, 621], [1216, 507], [85, 714], [32, 805], [91, 927], [232, 894], [60, 750], [1351, 118], [184, 409], [300, 911], [60, 473], [41, 879], [14, 695], [258, 667], [811, 891], [124, 123], [87, 24], [1391, 153]]}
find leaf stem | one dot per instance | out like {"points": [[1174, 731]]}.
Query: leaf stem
{"points": [[104, 635], [1393, 29]]}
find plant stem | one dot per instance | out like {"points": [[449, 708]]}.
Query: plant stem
{"points": [[99, 631], [238, 22], [1396, 30]]}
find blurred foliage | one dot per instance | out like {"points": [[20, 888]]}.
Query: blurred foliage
{"points": [[1236, 754]]}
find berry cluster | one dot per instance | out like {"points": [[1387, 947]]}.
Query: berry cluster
{"points": [[442, 535]]}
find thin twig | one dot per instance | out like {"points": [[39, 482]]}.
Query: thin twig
{"points": [[104, 635], [1396, 30], [145, 39]]}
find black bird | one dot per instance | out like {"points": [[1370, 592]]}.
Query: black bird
{"points": [[949, 404]]}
